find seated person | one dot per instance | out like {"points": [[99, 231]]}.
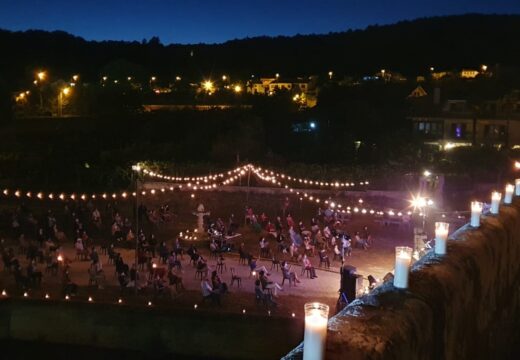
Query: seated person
{"points": [[324, 257], [69, 288], [337, 252], [260, 295], [358, 241], [163, 251], [175, 279], [201, 264], [268, 284], [173, 261], [309, 248], [293, 251], [217, 283], [208, 292], [346, 243], [123, 280], [213, 247], [254, 267], [34, 275], [308, 266], [286, 269], [192, 250], [159, 284]]}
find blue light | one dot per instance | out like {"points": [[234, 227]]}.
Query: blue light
{"points": [[312, 125]]}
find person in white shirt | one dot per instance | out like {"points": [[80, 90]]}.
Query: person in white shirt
{"points": [[208, 292]]}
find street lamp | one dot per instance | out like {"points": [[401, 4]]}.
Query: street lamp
{"points": [[41, 75], [63, 92], [237, 89], [208, 86], [135, 175], [421, 203], [330, 75]]}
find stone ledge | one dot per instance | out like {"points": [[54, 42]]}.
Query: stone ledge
{"points": [[465, 304]]}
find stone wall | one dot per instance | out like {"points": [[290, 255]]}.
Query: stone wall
{"points": [[465, 305], [154, 331]]}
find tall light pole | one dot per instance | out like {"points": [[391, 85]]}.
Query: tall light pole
{"points": [[135, 175], [63, 92], [41, 76]]}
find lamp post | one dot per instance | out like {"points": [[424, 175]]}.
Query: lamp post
{"points": [[421, 203], [135, 175], [63, 92], [41, 76]]}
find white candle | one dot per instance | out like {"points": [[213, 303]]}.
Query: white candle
{"points": [[495, 202], [316, 319], [441, 235], [517, 187], [403, 257], [476, 210], [508, 197]]}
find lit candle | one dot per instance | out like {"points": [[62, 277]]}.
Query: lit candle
{"points": [[476, 210], [403, 258], [316, 319], [441, 235], [517, 187], [508, 197], [495, 202]]}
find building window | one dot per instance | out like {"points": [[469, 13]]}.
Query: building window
{"points": [[495, 131], [458, 131]]}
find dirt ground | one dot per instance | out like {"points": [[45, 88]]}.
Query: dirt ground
{"points": [[377, 260]]}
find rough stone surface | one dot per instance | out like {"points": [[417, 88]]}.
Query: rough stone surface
{"points": [[463, 305]]}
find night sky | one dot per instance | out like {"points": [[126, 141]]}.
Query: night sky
{"points": [[210, 21]]}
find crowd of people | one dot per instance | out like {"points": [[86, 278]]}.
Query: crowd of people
{"points": [[158, 265]]}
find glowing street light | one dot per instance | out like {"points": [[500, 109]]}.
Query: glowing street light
{"points": [[237, 89], [330, 74], [42, 75], [208, 85], [75, 77], [224, 77], [64, 92], [484, 68]]}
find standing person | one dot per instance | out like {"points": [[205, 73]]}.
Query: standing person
{"points": [[152, 244], [278, 225], [94, 256], [365, 235]]}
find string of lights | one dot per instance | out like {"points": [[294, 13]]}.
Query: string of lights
{"points": [[334, 205], [302, 181]]}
